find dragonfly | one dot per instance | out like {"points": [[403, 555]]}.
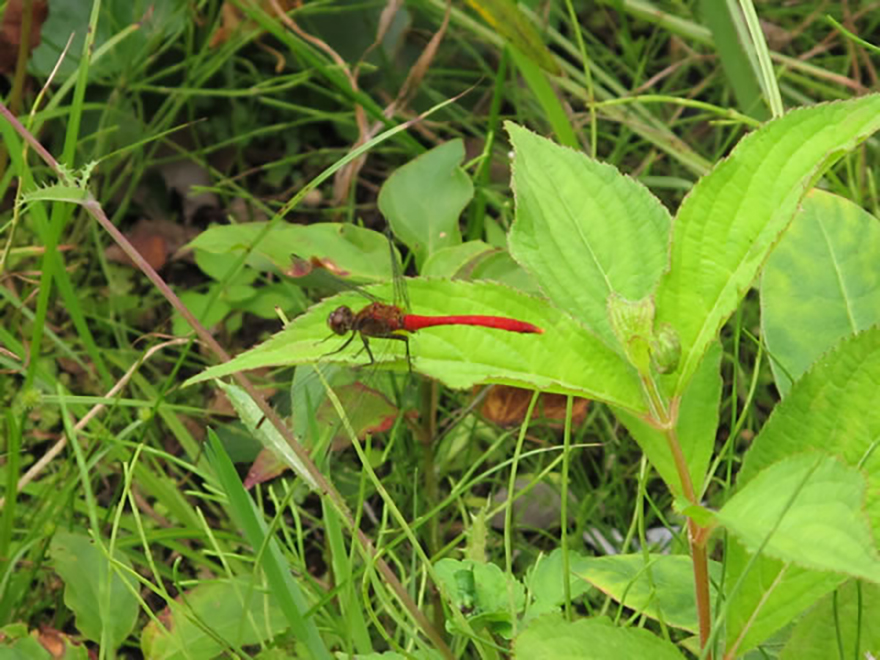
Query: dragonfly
{"points": [[381, 320]]}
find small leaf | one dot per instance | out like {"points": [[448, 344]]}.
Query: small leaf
{"points": [[807, 510], [423, 200], [830, 254], [482, 591], [632, 322], [94, 590]]}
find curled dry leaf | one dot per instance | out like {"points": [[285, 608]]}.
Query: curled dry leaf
{"points": [[507, 406]]}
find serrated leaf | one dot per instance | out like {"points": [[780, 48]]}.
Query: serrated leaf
{"points": [[807, 510], [830, 409], [462, 356], [820, 284], [727, 225], [95, 591], [551, 636], [584, 230], [423, 200]]}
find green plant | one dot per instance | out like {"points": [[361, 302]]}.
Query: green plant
{"points": [[598, 245]]}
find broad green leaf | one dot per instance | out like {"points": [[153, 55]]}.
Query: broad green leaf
{"points": [[94, 590], [462, 356], [423, 200], [663, 590], [830, 409], [235, 611], [807, 510], [696, 428], [506, 18], [346, 250], [848, 617], [728, 224], [551, 636], [820, 284], [482, 591], [584, 230]]}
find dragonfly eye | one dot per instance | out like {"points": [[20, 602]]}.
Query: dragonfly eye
{"points": [[340, 320]]}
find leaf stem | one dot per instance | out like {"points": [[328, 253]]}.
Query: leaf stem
{"points": [[665, 417]]}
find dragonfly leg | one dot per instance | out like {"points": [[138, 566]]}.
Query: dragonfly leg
{"points": [[341, 348], [367, 348], [405, 341]]}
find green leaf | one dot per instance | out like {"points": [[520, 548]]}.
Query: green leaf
{"points": [[482, 591], [423, 200], [584, 230], [551, 636], [662, 590], [350, 251], [462, 356], [820, 284], [546, 584], [237, 611], [806, 510], [728, 224], [448, 262], [830, 409], [849, 617], [95, 591]]}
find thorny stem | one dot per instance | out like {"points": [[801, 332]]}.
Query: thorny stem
{"points": [[665, 418]]}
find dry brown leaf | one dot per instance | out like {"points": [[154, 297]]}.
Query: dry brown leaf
{"points": [[10, 31], [156, 240], [507, 406]]}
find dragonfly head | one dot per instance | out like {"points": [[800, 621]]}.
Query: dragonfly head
{"points": [[341, 320]]}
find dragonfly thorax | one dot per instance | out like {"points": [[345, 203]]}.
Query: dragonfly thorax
{"points": [[341, 320]]}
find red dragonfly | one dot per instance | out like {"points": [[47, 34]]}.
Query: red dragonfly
{"points": [[384, 321]]}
